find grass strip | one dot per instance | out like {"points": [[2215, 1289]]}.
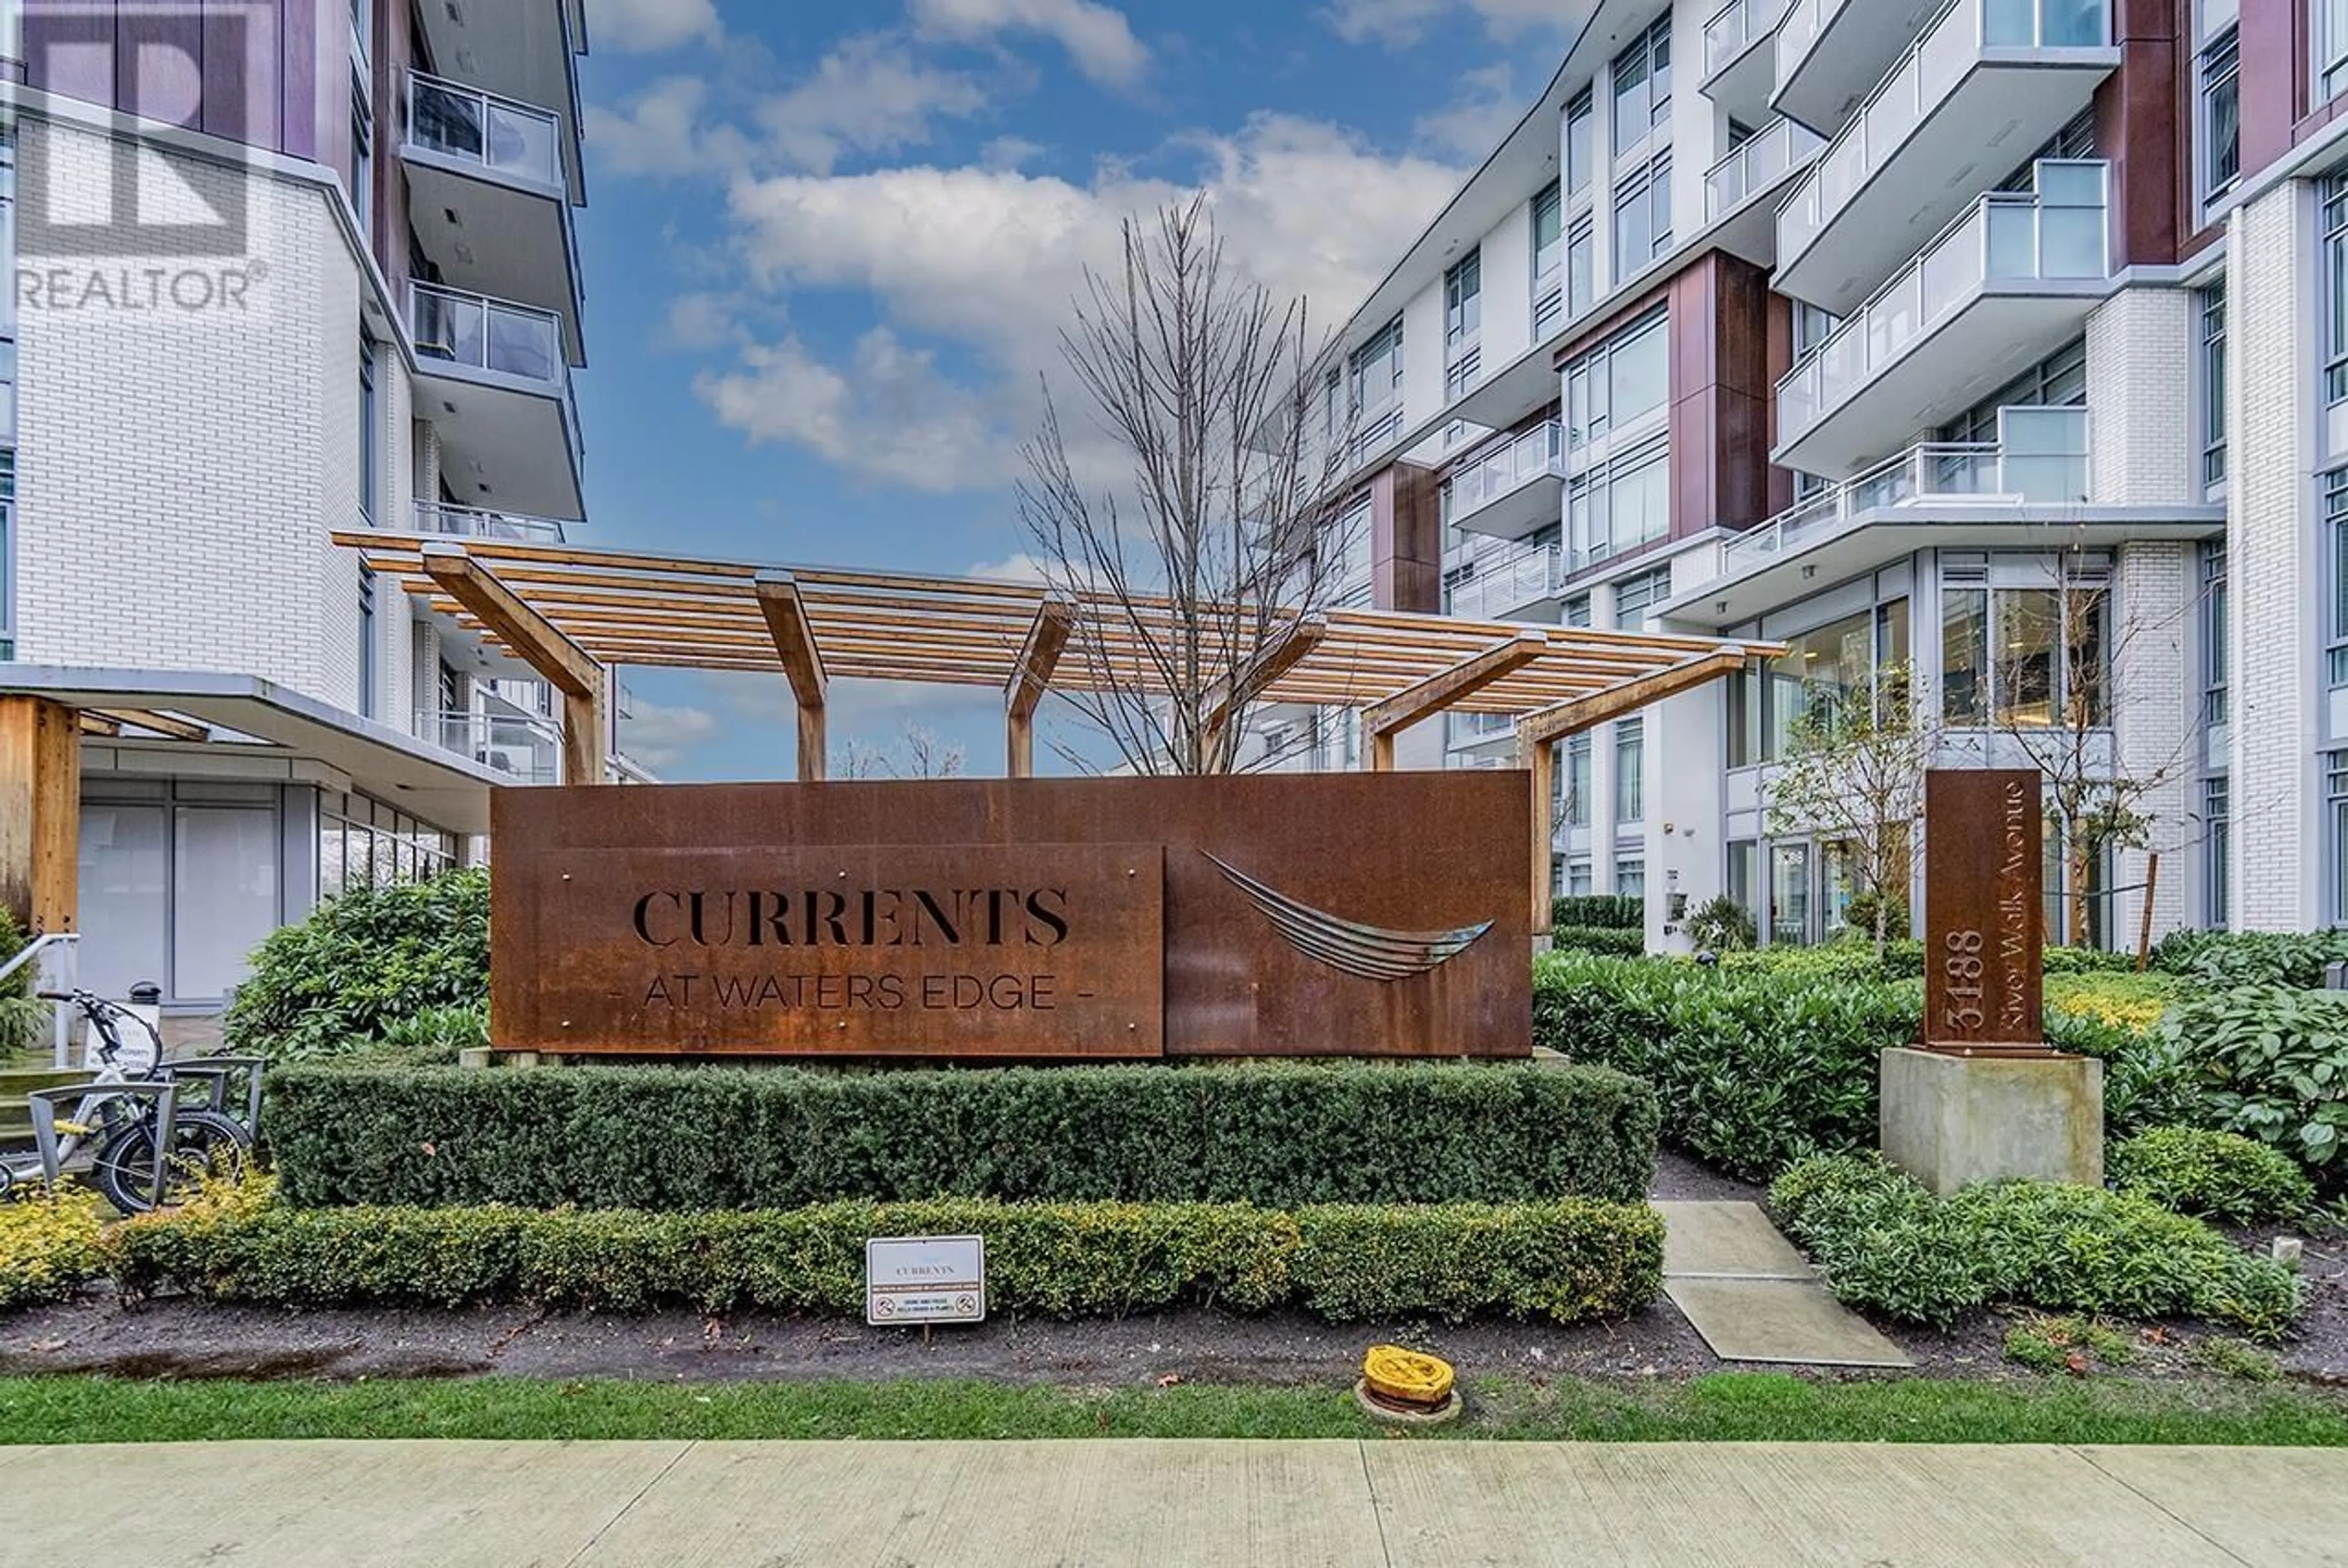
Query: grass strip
{"points": [[1718, 1407]]}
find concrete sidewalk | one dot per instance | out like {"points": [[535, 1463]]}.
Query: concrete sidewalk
{"points": [[1110, 1503]]}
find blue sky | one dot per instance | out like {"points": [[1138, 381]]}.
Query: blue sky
{"points": [[828, 246]]}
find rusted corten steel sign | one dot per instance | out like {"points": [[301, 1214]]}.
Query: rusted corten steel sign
{"points": [[1290, 915], [1984, 912]]}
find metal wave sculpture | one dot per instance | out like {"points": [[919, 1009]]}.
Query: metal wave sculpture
{"points": [[1368, 952]]}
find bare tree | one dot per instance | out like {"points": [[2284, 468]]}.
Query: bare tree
{"points": [[919, 753], [1223, 536], [1853, 777]]}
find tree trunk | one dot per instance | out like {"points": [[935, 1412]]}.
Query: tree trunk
{"points": [[2077, 857]]}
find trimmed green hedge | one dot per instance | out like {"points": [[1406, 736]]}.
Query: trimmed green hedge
{"points": [[667, 1139], [1599, 939], [1568, 1260], [1607, 911]]}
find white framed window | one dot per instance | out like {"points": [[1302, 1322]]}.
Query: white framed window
{"points": [[2219, 131], [2332, 301], [2329, 47], [1630, 776], [1642, 215], [2030, 657], [2213, 367], [2217, 834], [2216, 705], [1642, 87], [1576, 774], [1619, 384], [1581, 117], [2335, 569], [1619, 503]]}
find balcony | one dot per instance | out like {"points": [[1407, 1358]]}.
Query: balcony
{"points": [[2021, 270], [528, 751], [2040, 461], [1741, 189], [1740, 67], [1990, 80], [474, 523], [492, 376], [1827, 53], [523, 50], [488, 197], [1515, 489], [1506, 583]]}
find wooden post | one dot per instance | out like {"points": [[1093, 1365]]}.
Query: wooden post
{"points": [[41, 811], [1382, 748], [1540, 762], [2143, 927], [1038, 657], [1439, 691], [786, 623], [552, 656]]}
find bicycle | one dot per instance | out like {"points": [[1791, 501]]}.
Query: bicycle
{"points": [[118, 1128]]}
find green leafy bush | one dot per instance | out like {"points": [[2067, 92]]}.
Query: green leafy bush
{"points": [[48, 1245], [24, 1017], [1846, 959], [1567, 1261], [1722, 926], [671, 1139], [2273, 1065], [366, 959], [2220, 1176], [1612, 911], [1754, 1068], [1887, 1244], [2223, 958], [1598, 939]]}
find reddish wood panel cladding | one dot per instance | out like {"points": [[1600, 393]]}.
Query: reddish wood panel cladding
{"points": [[1372, 862], [2139, 127], [1406, 538], [254, 64], [2273, 79], [1723, 396]]}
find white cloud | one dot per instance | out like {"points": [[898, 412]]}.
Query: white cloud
{"points": [[886, 416], [1485, 110], [1397, 23], [661, 738], [661, 130], [646, 26], [868, 95], [1021, 567], [1097, 37]]}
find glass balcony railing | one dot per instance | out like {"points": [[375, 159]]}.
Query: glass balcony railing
{"points": [[1915, 86], [477, 523], [1537, 452], [1732, 29], [2039, 459], [2059, 231], [1504, 583], [528, 749], [1756, 163], [501, 136]]}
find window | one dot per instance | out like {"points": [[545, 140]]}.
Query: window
{"points": [[1579, 118], [1577, 781], [1789, 893], [2217, 827], [1577, 610], [1377, 374], [2058, 380], [368, 415], [2024, 657], [7, 553], [1642, 86], [2221, 116], [1965, 654], [2331, 20], [2335, 563], [1462, 303], [362, 841], [1619, 503], [1743, 855], [1577, 882], [1548, 234], [1630, 771], [1642, 216], [361, 26], [2075, 142], [2216, 707], [1812, 326], [1635, 596], [1581, 262], [1631, 876], [362, 169], [1619, 382], [2335, 799], [2213, 384], [367, 641], [2335, 306]]}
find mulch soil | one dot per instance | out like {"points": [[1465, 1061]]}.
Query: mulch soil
{"points": [[186, 1338]]}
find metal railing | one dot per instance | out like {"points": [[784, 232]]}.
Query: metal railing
{"points": [[1756, 163], [1539, 451], [1506, 582], [1733, 28], [529, 748], [498, 135], [479, 333], [2039, 459], [1914, 85], [478, 523], [2057, 232], [54, 958]]}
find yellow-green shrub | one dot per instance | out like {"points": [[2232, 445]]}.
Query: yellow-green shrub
{"points": [[48, 1245]]}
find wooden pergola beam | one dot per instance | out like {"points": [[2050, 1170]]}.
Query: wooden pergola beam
{"points": [[1039, 656], [541, 644], [1382, 721], [1264, 672], [159, 723], [786, 614]]}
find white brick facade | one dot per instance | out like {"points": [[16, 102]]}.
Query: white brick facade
{"points": [[2153, 702], [2141, 449]]}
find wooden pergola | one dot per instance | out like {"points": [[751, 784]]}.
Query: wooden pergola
{"points": [[570, 614]]}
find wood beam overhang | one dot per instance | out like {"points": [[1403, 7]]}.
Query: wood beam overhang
{"points": [[1039, 656], [1553, 724], [1264, 672], [1382, 721], [538, 642], [785, 613]]}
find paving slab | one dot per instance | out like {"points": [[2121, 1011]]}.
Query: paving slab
{"points": [[2268, 1505], [1786, 1321], [1101, 1503], [309, 1504], [1728, 1239]]}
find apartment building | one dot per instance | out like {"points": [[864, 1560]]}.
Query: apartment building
{"points": [[281, 268], [2002, 342]]}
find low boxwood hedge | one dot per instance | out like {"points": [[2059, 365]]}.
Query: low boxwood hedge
{"points": [[669, 1138], [1568, 1260]]}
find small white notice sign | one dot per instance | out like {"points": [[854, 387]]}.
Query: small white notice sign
{"points": [[924, 1279]]}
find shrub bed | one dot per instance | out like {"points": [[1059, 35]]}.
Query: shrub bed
{"points": [[2220, 1176], [1888, 1244], [1568, 1260], [366, 960], [2270, 1062], [667, 1139], [48, 1245]]}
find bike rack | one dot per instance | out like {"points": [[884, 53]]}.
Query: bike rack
{"points": [[215, 1073], [43, 1102]]}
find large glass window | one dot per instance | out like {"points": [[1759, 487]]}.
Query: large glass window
{"points": [[1577, 781], [1825, 664], [2335, 306], [1642, 216], [1377, 370], [2216, 828], [1965, 654], [2221, 129], [2335, 795], [224, 893], [2024, 658], [1630, 771], [1579, 116], [2216, 704], [2330, 18], [1463, 303], [2213, 384], [1642, 86], [1620, 381], [2336, 565]]}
